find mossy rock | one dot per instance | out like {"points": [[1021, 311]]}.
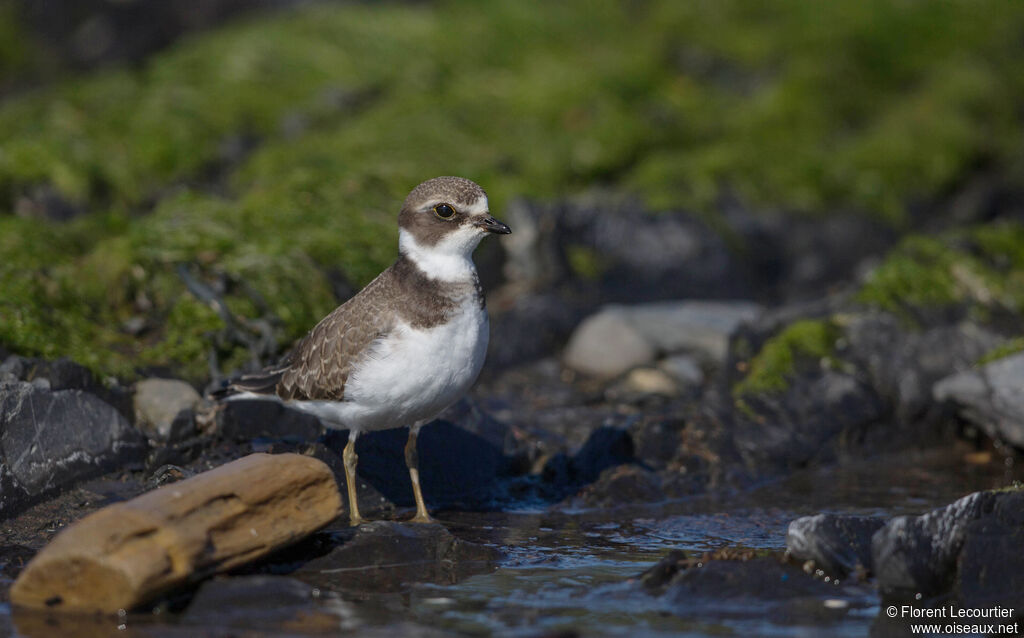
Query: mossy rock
{"points": [[800, 346], [976, 273], [266, 154]]}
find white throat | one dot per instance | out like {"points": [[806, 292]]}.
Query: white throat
{"points": [[450, 259]]}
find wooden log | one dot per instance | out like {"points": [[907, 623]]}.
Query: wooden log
{"points": [[129, 553]]}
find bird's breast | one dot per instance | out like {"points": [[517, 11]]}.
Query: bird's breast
{"points": [[415, 372]]}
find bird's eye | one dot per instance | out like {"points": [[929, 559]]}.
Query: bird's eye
{"points": [[444, 211]]}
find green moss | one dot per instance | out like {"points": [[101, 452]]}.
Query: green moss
{"points": [[917, 273], [808, 106], [799, 344], [975, 272], [1013, 346], [585, 262]]}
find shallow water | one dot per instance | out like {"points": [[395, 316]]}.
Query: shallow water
{"points": [[576, 569]]}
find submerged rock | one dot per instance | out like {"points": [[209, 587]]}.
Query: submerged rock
{"points": [[385, 556], [266, 603], [739, 583], [991, 397], [52, 439], [622, 485], [839, 545]]}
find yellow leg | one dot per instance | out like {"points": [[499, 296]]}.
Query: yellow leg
{"points": [[350, 459], [412, 458]]}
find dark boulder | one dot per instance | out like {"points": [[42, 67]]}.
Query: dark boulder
{"points": [[247, 419], [990, 397], [838, 545], [457, 468], [990, 568], [918, 554], [903, 364], [622, 485], [65, 374], [606, 447], [50, 440], [804, 423]]}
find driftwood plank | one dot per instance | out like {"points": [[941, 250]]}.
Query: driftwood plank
{"points": [[129, 553]]}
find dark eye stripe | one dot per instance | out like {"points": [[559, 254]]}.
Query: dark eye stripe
{"points": [[444, 211]]}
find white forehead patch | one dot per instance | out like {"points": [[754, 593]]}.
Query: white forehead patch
{"points": [[479, 207]]}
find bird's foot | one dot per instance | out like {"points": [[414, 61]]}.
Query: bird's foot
{"points": [[355, 521], [422, 518]]}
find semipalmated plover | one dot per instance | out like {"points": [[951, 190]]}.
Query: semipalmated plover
{"points": [[408, 345]]}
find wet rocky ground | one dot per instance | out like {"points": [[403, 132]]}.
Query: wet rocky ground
{"points": [[744, 421], [709, 460]]}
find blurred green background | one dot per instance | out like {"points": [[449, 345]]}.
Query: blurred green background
{"points": [[265, 156]]}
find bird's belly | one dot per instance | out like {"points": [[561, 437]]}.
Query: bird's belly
{"points": [[416, 373]]}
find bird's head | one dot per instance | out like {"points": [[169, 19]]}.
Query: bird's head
{"points": [[446, 217]]}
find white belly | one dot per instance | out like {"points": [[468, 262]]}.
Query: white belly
{"points": [[411, 375]]}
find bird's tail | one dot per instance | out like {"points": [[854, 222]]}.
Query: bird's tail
{"points": [[258, 383]]}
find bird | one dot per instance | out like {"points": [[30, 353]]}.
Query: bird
{"points": [[408, 345]]}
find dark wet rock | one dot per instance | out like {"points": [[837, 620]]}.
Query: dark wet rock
{"points": [[516, 444], [164, 408], [13, 558], [658, 576], [657, 439], [990, 568], [385, 556], [918, 554], [265, 603], [812, 254], [457, 468], [531, 326], [764, 578], [622, 485], [65, 374], [180, 452], [903, 364], [736, 582], [990, 397], [641, 254], [607, 447], [838, 545], [372, 503], [247, 419], [62, 374], [50, 440], [805, 422]]}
